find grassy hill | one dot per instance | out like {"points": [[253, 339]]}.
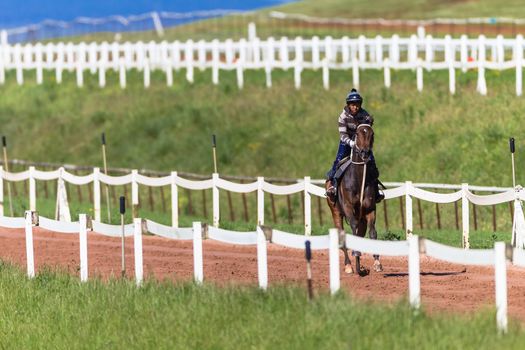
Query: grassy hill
{"points": [[429, 136], [407, 9]]}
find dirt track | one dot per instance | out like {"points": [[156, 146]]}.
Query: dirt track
{"points": [[444, 286]]}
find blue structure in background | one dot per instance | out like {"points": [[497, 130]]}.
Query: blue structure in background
{"points": [[31, 20]]}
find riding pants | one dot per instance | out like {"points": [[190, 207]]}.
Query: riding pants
{"points": [[344, 151]]}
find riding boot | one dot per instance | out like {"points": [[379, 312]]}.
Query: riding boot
{"points": [[379, 195], [331, 189]]}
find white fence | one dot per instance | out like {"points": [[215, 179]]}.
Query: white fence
{"points": [[407, 190], [412, 248], [413, 53]]}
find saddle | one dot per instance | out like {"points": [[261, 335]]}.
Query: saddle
{"points": [[341, 167]]}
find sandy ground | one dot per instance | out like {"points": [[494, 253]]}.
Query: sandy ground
{"points": [[444, 287]]}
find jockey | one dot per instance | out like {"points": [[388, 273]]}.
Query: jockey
{"points": [[351, 117]]}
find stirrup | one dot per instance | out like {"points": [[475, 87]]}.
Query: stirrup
{"points": [[379, 196], [331, 192]]}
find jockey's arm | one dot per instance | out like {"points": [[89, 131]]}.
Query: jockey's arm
{"points": [[346, 131]]}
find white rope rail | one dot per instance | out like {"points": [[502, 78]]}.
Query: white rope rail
{"points": [[305, 186], [412, 248]]}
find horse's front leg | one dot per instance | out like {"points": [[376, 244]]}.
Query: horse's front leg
{"points": [[371, 221]]}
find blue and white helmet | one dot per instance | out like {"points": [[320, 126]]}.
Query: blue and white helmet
{"points": [[353, 96]]}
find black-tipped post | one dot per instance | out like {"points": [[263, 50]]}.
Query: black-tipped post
{"points": [[308, 251], [214, 148], [308, 255], [511, 145], [104, 138], [4, 141], [123, 205], [122, 212]]}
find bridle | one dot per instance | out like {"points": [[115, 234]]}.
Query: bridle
{"points": [[363, 162]]}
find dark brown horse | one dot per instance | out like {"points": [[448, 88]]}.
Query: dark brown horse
{"points": [[356, 201]]}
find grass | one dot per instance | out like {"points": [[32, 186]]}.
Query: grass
{"points": [[423, 137], [57, 310], [407, 9]]}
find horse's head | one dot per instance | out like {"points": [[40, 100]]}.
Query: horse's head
{"points": [[364, 141]]}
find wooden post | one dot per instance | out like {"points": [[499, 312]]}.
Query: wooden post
{"points": [[420, 212], [385, 208], [438, 216]]}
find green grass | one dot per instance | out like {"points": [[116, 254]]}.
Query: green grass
{"points": [[57, 310], [423, 137], [407, 9]]}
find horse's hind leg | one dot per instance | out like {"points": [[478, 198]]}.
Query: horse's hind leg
{"points": [[371, 220]]}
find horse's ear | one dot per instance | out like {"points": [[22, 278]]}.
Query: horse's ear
{"points": [[353, 90]]}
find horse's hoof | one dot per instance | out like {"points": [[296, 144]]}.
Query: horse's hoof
{"points": [[349, 269], [364, 272], [377, 266]]}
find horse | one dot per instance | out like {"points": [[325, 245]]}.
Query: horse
{"points": [[356, 201]]}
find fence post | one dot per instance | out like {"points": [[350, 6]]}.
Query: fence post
{"points": [[333, 253], [215, 200], [298, 67], [260, 201], [80, 64], [326, 74], [122, 74], [500, 271], [419, 75], [414, 284], [215, 61], [394, 49], [96, 193], [451, 78], [518, 56], [240, 73], [174, 200], [38, 59], [361, 48], [262, 259], [198, 272], [82, 237], [29, 244], [379, 48], [269, 61], [18, 65], [101, 74], [465, 215], [137, 246], [482, 84], [307, 207], [169, 73], [408, 209], [1, 190], [283, 52], [188, 58], [463, 53], [134, 194], [32, 189], [315, 52], [355, 73]]}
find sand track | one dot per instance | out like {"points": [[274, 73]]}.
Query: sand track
{"points": [[444, 286]]}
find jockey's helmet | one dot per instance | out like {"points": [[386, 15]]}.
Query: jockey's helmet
{"points": [[354, 96]]}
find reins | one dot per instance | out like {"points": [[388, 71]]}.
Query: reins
{"points": [[364, 171]]}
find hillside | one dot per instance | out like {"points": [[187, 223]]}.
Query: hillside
{"points": [[427, 137], [407, 9]]}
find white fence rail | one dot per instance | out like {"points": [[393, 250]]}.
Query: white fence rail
{"points": [[355, 54], [412, 248], [407, 190]]}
